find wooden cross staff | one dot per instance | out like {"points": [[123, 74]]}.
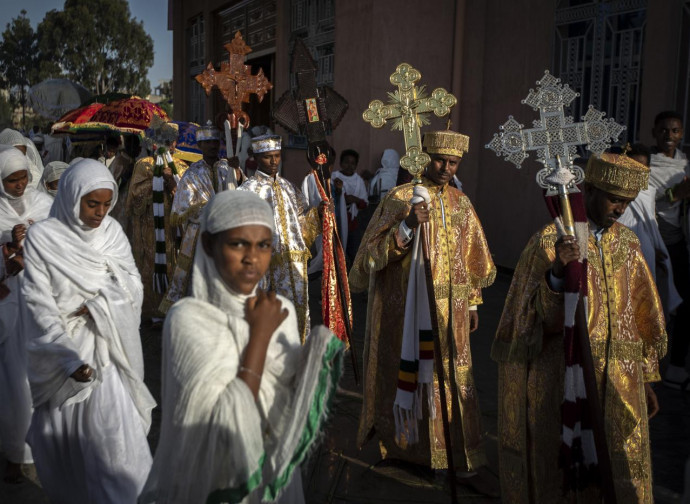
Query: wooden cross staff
{"points": [[408, 108], [235, 82]]}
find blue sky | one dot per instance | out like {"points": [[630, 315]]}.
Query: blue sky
{"points": [[154, 14]]}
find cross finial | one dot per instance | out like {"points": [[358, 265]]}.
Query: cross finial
{"points": [[554, 136], [234, 79], [408, 108]]}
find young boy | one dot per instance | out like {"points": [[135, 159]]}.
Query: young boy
{"points": [[351, 195]]}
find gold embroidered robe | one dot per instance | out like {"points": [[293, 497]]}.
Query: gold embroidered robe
{"points": [[139, 212], [627, 336], [196, 188], [461, 265], [296, 228]]}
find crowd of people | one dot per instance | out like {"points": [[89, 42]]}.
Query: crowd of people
{"points": [[219, 253]]}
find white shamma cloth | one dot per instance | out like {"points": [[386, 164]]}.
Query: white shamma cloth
{"points": [[88, 438], [217, 443], [15, 398]]}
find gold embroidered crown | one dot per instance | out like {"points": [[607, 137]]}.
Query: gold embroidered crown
{"points": [[446, 142], [617, 174], [266, 143], [207, 132]]}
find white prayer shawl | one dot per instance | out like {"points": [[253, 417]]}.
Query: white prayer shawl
{"points": [[640, 216], [52, 172], [217, 444], [664, 173], [353, 185], [407, 408], [54, 147], [15, 397], [311, 192], [387, 175], [12, 137], [69, 265]]}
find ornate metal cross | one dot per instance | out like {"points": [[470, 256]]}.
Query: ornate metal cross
{"points": [[234, 79], [555, 136], [408, 108]]}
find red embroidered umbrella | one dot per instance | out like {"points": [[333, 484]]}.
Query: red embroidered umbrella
{"points": [[76, 117], [129, 115]]}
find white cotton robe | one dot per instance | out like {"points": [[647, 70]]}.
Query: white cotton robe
{"points": [[88, 438], [217, 443], [15, 398]]}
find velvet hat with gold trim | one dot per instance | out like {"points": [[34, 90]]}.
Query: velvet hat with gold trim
{"points": [[617, 174], [266, 143], [207, 132], [446, 142]]}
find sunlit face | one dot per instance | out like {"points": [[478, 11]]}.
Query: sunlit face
{"points": [[604, 208], [94, 207], [348, 165], [442, 168], [668, 134], [241, 255], [15, 184], [268, 162]]}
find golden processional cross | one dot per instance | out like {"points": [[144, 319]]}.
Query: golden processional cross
{"points": [[408, 108], [234, 79]]}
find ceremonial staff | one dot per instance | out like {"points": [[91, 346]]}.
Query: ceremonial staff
{"points": [[313, 110], [235, 82], [407, 108], [555, 137]]}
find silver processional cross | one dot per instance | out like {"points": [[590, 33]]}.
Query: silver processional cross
{"points": [[555, 136]]}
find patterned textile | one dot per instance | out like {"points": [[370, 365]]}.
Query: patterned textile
{"points": [[627, 336], [332, 307], [297, 226], [461, 266], [160, 274], [578, 451], [139, 214]]}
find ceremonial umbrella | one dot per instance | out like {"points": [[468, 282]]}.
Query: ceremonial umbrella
{"points": [[53, 98], [127, 115], [76, 117]]}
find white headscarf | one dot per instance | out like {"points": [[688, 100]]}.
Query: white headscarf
{"points": [[80, 179], [387, 175], [226, 210], [12, 137], [52, 172], [14, 210]]}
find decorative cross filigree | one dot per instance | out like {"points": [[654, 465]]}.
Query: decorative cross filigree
{"points": [[555, 136], [234, 79], [408, 108]]}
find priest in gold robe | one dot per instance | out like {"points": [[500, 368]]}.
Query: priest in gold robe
{"points": [[627, 338], [142, 213], [201, 181], [296, 227], [461, 266]]}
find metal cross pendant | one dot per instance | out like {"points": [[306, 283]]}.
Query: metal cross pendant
{"points": [[555, 136], [408, 108], [234, 79]]}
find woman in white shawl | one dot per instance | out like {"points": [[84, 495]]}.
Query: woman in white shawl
{"points": [[83, 293], [386, 175], [242, 400], [20, 206], [51, 176], [15, 139]]}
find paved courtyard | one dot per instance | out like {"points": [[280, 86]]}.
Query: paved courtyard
{"points": [[338, 472]]}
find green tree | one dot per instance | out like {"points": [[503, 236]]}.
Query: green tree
{"points": [[98, 44], [18, 58]]}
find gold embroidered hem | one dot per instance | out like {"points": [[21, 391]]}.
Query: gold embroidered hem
{"points": [[627, 336], [461, 264]]}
